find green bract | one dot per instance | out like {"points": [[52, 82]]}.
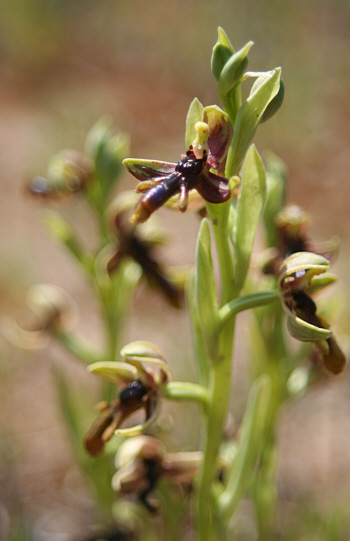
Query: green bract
{"points": [[249, 116], [249, 207]]}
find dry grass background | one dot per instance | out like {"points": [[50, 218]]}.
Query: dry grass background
{"points": [[63, 65]]}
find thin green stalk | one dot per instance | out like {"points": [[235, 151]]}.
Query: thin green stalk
{"points": [[219, 380], [219, 390], [80, 347], [240, 304], [183, 390]]}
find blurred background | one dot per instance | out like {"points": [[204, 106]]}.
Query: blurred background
{"points": [[63, 64]]}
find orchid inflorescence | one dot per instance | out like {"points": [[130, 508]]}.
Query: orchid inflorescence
{"points": [[223, 176]]}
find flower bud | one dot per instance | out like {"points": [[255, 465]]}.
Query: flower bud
{"points": [[222, 52], [233, 70]]}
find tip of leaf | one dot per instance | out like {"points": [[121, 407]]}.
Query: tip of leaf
{"points": [[223, 39]]}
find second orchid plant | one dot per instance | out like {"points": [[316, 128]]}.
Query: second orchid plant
{"points": [[223, 178]]}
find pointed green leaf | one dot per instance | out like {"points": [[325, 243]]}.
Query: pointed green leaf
{"points": [[222, 52], [200, 356], [249, 116], [252, 433], [194, 115], [249, 208], [233, 70]]}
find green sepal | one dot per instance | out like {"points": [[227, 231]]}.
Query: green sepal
{"points": [[205, 289], [194, 115], [320, 282], [233, 70], [249, 116], [222, 52], [275, 194], [312, 264], [249, 207]]}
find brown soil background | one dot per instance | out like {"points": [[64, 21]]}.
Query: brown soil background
{"points": [[62, 66]]}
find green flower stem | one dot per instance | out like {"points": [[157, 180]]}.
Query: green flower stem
{"points": [[240, 304], [219, 390], [181, 390], [232, 103], [80, 346], [251, 441], [219, 378]]}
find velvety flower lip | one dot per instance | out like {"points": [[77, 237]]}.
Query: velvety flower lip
{"points": [[159, 181], [140, 377], [299, 278], [139, 244]]}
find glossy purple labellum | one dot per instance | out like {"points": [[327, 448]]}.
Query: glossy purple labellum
{"points": [[161, 180]]}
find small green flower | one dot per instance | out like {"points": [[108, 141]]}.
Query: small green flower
{"points": [[68, 172], [142, 374], [299, 278], [160, 181], [142, 461], [55, 312]]}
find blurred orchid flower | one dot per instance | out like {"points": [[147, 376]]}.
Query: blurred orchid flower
{"points": [[142, 461], [292, 229], [55, 312], [299, 278], [139, 243], [142, 374]]}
